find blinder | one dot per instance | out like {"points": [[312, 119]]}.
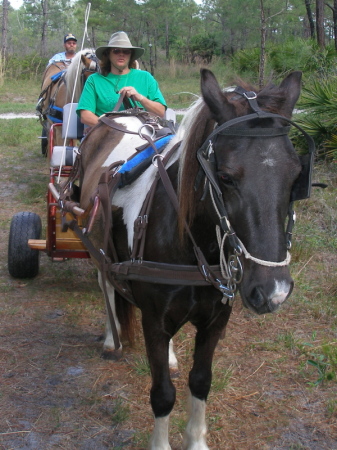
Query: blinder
{"points": [[302, 186]]}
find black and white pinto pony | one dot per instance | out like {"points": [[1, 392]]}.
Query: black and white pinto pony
{"points": [[255, 168]]}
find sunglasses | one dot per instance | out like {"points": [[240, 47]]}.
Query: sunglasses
{"points": [[117, 51]]}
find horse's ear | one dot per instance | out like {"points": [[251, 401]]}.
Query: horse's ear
{"points": [[292, 86], [214, 97]]}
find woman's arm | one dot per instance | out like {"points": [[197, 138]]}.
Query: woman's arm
{"points": [[88, 117]]}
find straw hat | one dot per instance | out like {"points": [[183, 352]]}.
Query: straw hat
{"points": [[120, 40]]}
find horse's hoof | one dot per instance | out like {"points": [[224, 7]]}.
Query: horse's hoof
{"points": [[112, 355]]}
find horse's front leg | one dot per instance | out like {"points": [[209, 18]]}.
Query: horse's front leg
{"points": [[109, 347], [200, 379], [163, 392]]}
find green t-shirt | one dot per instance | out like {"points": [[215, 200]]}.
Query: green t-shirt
{"points": [[100, 93]]}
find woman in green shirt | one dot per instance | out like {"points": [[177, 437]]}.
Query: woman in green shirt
{"points": [[102, 90]]}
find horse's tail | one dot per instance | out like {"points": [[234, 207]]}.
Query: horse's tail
{"points": [[126, 313]]}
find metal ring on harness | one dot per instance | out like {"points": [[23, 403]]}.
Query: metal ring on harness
{"points": [[154, 159], [141, 134]]}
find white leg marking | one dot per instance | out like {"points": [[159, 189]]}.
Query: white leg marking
{"points": [[173, 362], [195, 433], [159, 439], [109, 343]]}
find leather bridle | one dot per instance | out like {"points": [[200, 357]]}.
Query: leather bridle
{"points": [[206, 158]]}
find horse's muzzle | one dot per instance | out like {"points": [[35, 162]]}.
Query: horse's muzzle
{"points": [[263, 301]]}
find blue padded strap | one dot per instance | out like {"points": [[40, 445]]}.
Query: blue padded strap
{"points": [[140, 157], [57, 108], [57, 76], [54, 119]]}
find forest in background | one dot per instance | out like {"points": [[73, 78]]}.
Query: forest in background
{"points": [[257, 40], [187, 31]]}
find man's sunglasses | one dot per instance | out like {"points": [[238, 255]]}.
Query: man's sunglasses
{"points": [[117, 51]]}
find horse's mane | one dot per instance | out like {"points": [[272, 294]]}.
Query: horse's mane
{"points": [[198, 124], [73, 74]]}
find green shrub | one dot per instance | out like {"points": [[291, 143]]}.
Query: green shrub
{"points": [[246, 60], [25, 68], [294, 55], [319, 101]]}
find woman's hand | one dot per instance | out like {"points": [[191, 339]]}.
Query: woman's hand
{"points": [[151, 106], [131, 92]]}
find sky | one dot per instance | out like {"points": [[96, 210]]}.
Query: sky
{"points": [[16, 3]]}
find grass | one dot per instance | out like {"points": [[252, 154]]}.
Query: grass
{"points": [[21, 134], [221, 377], [121, 412], [19, 96], [141, 365]]}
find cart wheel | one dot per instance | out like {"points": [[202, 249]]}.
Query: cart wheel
{"points": [[23, 262], [44, 142]]}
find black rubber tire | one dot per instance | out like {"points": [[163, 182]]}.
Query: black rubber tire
{"points": [[44, 142], [23, 262]]}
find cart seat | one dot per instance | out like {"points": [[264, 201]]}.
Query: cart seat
{"points": [[72, 128], [63, 156]]}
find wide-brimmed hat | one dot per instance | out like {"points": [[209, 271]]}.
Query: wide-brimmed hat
{"points": [[69, 36], [120, 40]]}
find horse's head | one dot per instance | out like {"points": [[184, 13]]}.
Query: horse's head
{"points": [[82, 66], [90, 63], [255, 170]]}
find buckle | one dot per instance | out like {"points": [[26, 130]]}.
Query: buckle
{"points": [[250, 95]]}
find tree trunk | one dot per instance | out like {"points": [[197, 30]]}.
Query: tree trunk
{"points": [[44, 27], [150, 47], [334, 20], [4, 27], [93, 37], [320, 23], [262, 45], [167, 45], [334, 16], [310, 19]]}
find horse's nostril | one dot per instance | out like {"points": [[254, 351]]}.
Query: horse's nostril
{"points": [[257, 299]]}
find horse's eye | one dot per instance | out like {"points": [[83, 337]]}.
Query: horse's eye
{"points": [[227, 179]]}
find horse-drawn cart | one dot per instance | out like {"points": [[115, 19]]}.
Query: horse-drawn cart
{"points": [[25, 243], [61, 242]]}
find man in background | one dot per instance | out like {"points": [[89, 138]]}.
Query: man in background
{"points": [[70, 43]]}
